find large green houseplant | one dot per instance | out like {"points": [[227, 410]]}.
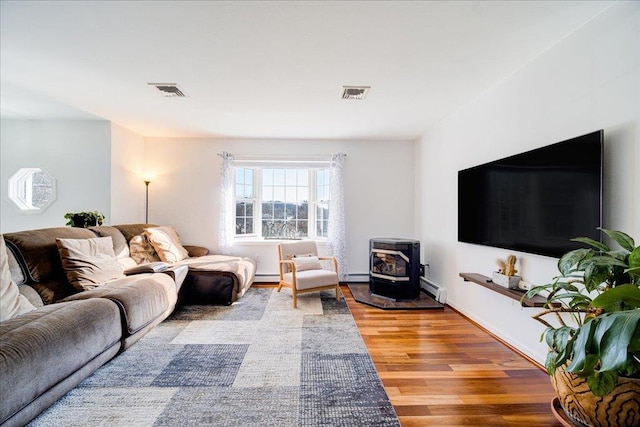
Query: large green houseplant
{"points": [[596, 303]]}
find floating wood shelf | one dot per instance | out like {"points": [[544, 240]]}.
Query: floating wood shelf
{"points": [[515, 294]]}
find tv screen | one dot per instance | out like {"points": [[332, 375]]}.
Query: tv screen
{"points": [[535, 201]]}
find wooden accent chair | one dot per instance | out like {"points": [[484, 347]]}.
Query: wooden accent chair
{"points": [[302, 271]]}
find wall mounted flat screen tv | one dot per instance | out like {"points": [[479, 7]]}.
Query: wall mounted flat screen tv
{"points": [[535, 201]]}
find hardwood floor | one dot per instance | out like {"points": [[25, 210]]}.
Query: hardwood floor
{"points": [[440, 369]]}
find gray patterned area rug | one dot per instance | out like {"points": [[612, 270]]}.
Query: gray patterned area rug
{"points": [[257, 362]]}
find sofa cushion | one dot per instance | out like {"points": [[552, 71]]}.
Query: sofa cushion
{"points": [[242, 270], [37, 252], [44, 347], [14, 267], [141, 249], [142, 298], [12, 302], [130, 230], [89, 262], [31, 295], [167, 244], [51, 291], [120, 244]]}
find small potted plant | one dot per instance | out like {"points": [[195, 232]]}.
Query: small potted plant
{"points": [[84, 219], [594, 341], [506, 275]]}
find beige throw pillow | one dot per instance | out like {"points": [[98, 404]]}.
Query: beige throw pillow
{"points": [[166, 242], [12, 303], [142, 250], [304, 263], [88, 263]]}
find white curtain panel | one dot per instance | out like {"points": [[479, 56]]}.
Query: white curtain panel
{"points": [[227, 226], [336, 227]]}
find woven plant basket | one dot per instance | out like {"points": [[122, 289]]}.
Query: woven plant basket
{"points": [[619, 408]]}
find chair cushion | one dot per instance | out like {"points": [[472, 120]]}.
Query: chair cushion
{"points": [[298, 247], [89, 262], [289, 250], [312, 278], [304, 263]]}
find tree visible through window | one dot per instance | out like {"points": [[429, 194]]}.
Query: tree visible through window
{"points": [[322, 202], [245, 201], [282, 203]]}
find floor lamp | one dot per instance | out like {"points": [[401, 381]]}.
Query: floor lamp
{"points": [[146, 202]]}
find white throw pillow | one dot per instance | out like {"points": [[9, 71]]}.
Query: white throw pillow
{"points": [[304, 263], [12, 303], [166, 242]]}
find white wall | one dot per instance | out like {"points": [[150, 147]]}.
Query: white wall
{"points": [[76, 153], [127, 176], [379, 180], [588, 81]]}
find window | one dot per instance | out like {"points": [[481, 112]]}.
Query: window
{"points": [[291, 202], [245, 201], [32, 190], [322, 202]]}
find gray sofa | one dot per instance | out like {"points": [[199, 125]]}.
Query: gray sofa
{"points": [[46, 352], [211, 278]]}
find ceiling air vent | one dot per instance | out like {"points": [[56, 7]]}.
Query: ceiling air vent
{"points": [[169, 90], [355, 92]]}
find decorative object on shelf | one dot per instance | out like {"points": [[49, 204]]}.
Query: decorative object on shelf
{"points": [[508, 267], [594, 351], [506, 275], [146, 201], [84, 219]]}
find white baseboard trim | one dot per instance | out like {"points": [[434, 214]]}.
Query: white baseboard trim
{"points": [[274, 278], [520, 347]]}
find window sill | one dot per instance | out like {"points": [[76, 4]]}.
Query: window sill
{"points": [[271, 242]]}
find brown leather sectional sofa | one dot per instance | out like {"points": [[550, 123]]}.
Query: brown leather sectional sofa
{"points": [[48, 351]]}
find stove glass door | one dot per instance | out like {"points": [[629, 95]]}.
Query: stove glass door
{"points": [[389, 265]]}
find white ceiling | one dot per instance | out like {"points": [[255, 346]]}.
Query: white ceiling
{"points": [[269, 69]]}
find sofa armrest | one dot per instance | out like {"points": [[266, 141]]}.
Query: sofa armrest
{"points": [[178, 273], [196, 251], [330, 258]]}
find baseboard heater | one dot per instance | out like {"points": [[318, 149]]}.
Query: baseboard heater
{"points": [[267, 278], [433, 289]]}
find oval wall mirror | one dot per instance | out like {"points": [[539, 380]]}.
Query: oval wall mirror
{"points": [[32, 190]]}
